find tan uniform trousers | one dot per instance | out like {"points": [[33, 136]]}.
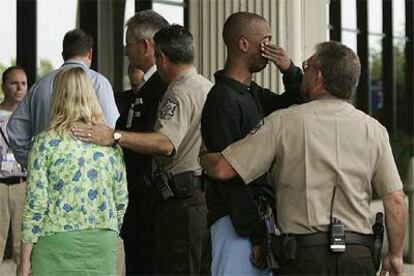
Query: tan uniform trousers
{"points": [[11, 212]]}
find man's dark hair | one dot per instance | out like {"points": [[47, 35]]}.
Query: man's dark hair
{"points": [[76, 42], [8, 71], [145, 24], [340, 68], [175, 42]]}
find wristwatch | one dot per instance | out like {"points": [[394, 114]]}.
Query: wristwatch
{"points": [[117, 136]]}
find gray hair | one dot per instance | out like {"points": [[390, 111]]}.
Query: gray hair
{"points": [[340, 68], [145, 24]]}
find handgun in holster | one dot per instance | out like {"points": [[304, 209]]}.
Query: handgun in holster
{"points": [[161, 181], [378, 235], [266, 214]]}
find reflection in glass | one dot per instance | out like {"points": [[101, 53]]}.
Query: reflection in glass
{"points": [[399, 65], [375, 62]]}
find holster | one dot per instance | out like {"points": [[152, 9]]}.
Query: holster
{"points": [[378, 234], [266, 214], [182, 184], [285, 247], [160, 180]]}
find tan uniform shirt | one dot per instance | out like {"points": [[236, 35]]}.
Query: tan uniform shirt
{"points": [[312, 148], [179, 116]]}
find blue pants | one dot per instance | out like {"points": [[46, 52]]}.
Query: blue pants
{"points": [[231, 252]]}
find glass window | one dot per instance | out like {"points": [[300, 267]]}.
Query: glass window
{"points": [[399, 63], [8, 34], [173, 11], [129, 12], [349, 24], [349, 38], [348, 14], [52, 27], [375, 57]]}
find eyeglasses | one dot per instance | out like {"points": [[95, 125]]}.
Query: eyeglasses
{"points": [[305, 65], [137, 41]]}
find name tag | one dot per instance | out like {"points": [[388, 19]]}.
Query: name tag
{"points": [[9, 164]]}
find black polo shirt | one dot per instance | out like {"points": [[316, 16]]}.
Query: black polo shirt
{"points": [[231, 111]]}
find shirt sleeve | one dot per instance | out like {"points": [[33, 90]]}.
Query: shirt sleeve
{"points": [[174, 117], [106, 98], [36, 202], [254, 155], [120, 187], [386, 178], [19, 130], [292, 80]]}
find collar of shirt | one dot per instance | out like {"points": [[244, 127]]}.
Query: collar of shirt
{"points": [[74, 62], [149, 73], [234, 84], [183, 75]]}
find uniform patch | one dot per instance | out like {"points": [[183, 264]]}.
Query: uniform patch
{"points": [[257, 127], [168, 109]]}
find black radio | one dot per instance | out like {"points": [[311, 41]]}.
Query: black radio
{"points": [[337, 236]]}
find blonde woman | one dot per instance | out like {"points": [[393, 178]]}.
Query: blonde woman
{"points": [[77, 193]]}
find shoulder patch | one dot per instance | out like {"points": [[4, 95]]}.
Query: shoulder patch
{"points": [[257, 127], [168, 109]]}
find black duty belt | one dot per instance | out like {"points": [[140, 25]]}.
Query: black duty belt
{"points": [[198, 182], [322, 238], [11, 180]]}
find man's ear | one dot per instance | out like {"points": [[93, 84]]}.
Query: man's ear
{"points": [[162, 59], [318, 78], [90, 54], [243, 44], [148, 46]]}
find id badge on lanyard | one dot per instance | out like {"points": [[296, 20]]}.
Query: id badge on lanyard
{"points": [[8, 163]]}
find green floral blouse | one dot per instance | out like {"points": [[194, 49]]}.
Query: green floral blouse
{"points": [[73, 185]]}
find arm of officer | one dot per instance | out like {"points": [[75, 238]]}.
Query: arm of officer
{"points": [[395, 220], [148, 143], [388, 185], [217, 166], [250, 157]]}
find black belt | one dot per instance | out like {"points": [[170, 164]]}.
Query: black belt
{"points": [[198, 182], [11, 180], [322, 238]]}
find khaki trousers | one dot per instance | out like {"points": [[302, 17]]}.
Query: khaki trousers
{"points": [[11, 212]]}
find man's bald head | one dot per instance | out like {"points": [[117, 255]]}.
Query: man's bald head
{"points": [[239, 24]]}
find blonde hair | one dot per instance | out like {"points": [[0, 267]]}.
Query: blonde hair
{"points": [[73, 101]]}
